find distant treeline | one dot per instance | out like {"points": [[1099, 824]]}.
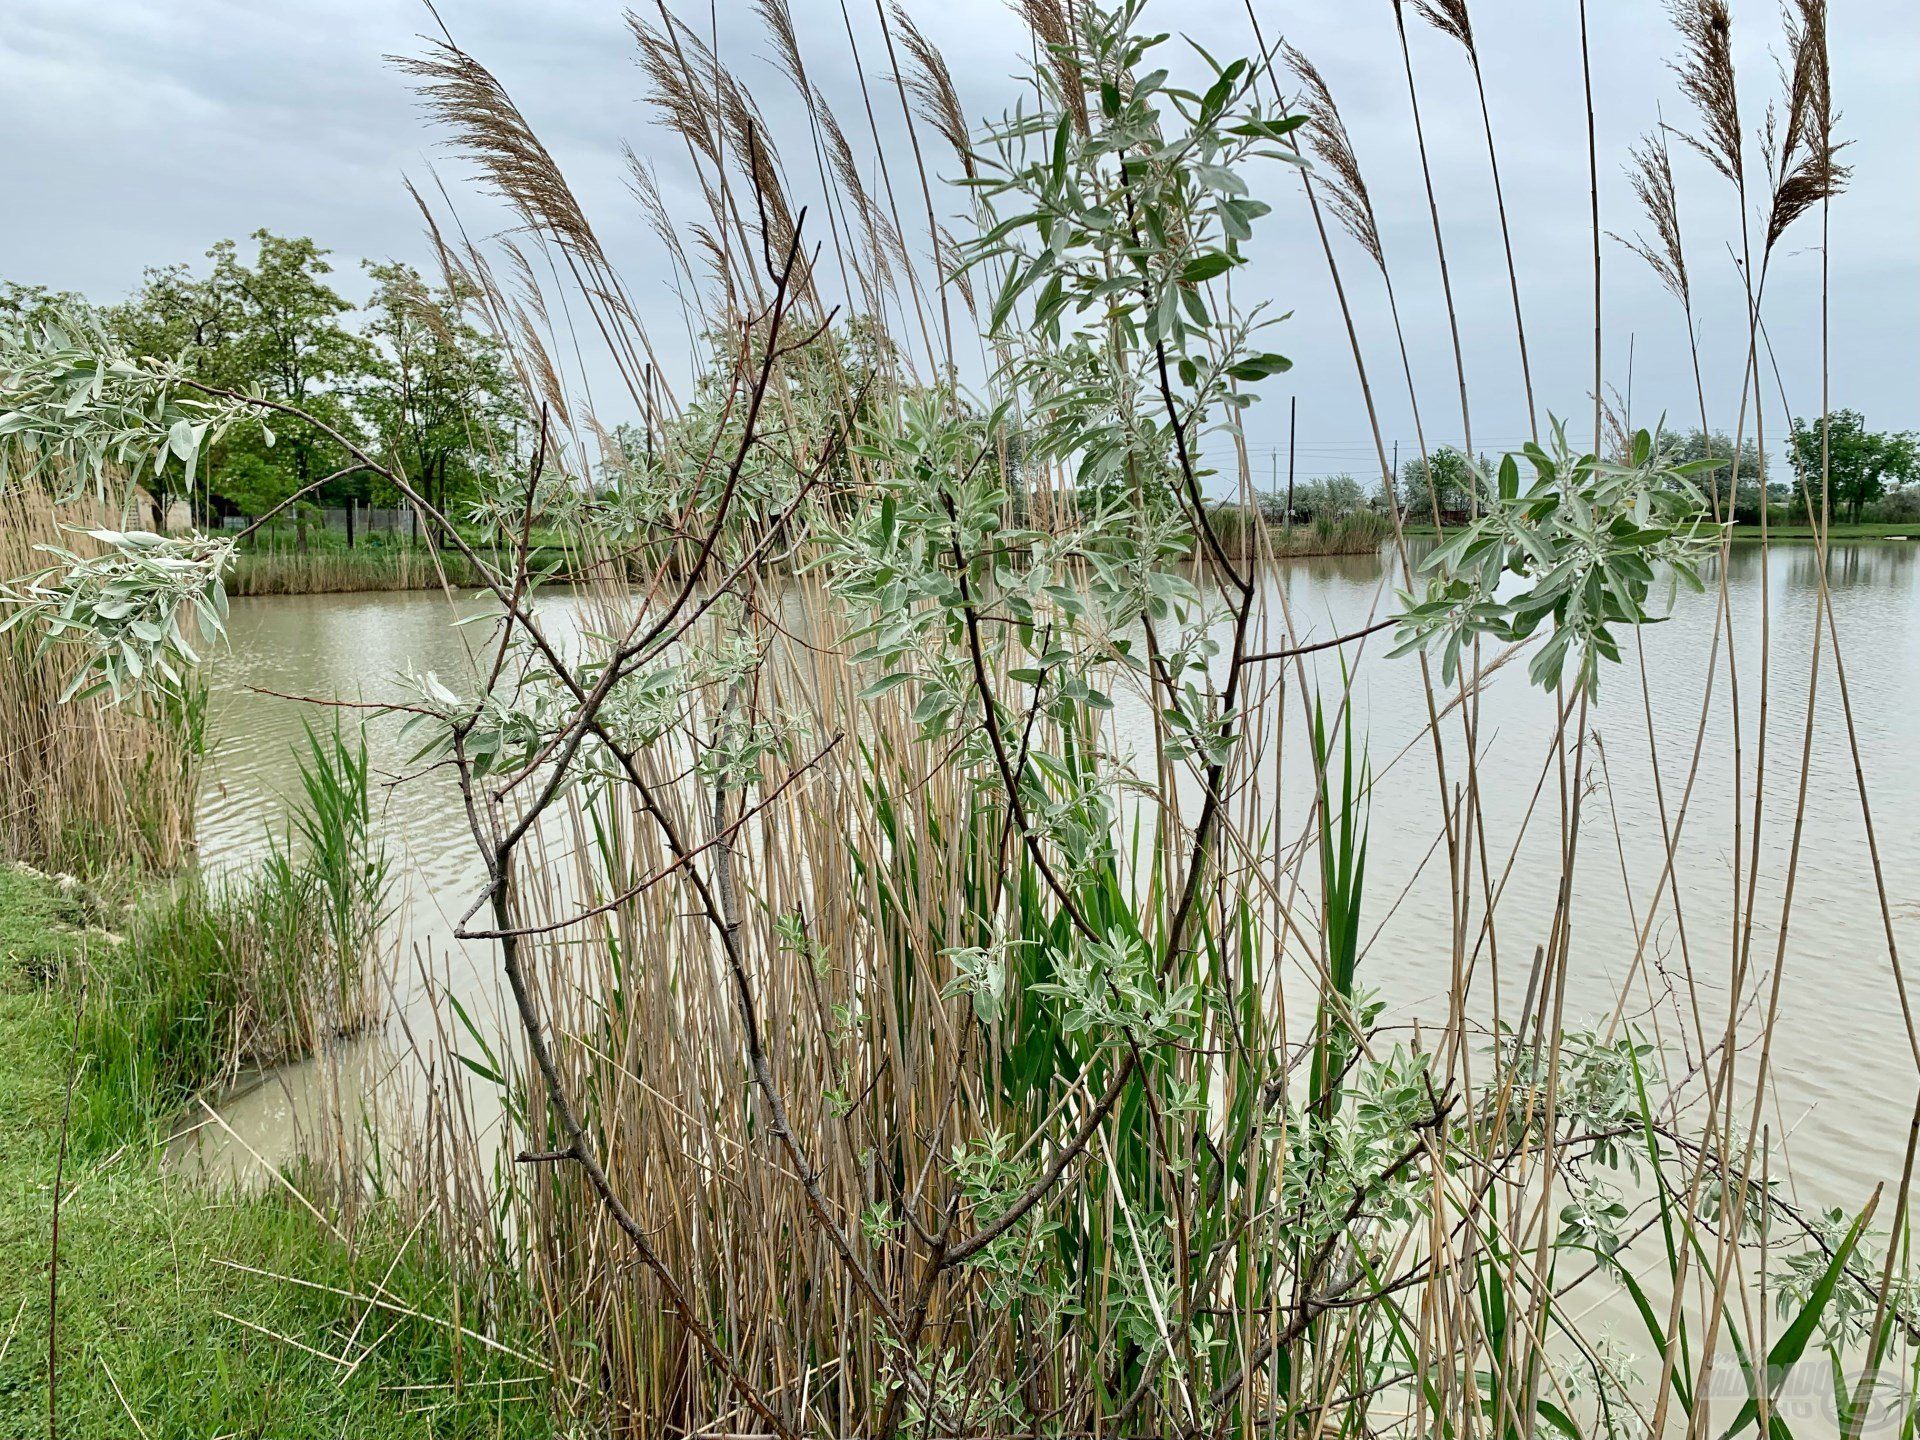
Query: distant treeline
{"points": [[410, 375], [1872, 476]]}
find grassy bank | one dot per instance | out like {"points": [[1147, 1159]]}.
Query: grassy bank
{"points": [[1839, 530], [173, 1309], [180, 1312], [242, 972]]}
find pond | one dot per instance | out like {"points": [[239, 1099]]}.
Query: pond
{"points": [[1845, 1074]]}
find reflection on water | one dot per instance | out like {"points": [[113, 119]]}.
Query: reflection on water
{"points": [[1845, 1075]]}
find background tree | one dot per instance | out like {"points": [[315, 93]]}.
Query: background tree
{"points": [[1864, 463], [273, 328], [436, 391], [1719, 485], [1444, 477], [34, 304], [1330, 496]]}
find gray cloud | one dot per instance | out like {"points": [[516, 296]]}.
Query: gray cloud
{"points": [[139, 133]]}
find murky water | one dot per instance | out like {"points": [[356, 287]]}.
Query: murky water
{"points": [[1845, 1075]]}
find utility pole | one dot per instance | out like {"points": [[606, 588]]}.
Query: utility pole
{"points": [[1293, 428]]}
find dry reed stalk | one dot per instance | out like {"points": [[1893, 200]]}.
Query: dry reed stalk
{"points": [[1433, 211], [89, 786]]}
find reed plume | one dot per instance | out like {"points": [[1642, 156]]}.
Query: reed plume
{"points": [[1449, 17], [930, 83], [1705, 71], [644, 185], [885, 246], [1801, 151], [1339, 172], [777, 16], [704, 103], [1051, 22], [1650, 173], [482, 120]]}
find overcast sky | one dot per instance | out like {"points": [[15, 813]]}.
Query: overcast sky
{"points": [[138, 132]]}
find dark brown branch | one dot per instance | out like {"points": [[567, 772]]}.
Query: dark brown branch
{"points": [[1328, 644], [664, 872]]}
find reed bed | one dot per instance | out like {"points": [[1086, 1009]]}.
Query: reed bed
{"points": [[88, 786], [283, 572], [1361, 532], [947, 1073]]}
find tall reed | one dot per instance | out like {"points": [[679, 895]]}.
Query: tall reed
{"points": [[1247, 534], [94, 785]]}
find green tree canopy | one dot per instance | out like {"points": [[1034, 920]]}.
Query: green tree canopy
{"points": [[34, 304], [410, 375], [435, 390], [1331, 496], [273, 327], [1749, 476], [1860, 464], [1442, 480]]}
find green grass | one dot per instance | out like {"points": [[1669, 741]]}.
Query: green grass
{"points": [[156, 1312], [218, 982], [250, 971], [1840, 530]]}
